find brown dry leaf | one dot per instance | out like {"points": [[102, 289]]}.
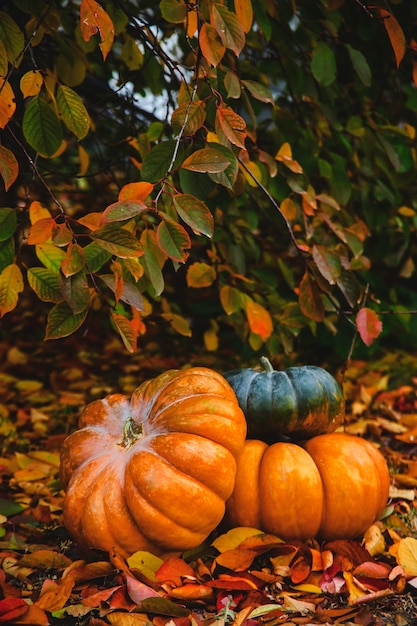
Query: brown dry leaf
{"points": [[128, 619], [45, 559]]}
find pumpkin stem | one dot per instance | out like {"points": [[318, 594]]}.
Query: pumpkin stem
{"points": [[131, 433], [265, 364]]}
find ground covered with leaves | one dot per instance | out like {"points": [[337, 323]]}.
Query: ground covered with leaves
{"points": [[240, 577]]}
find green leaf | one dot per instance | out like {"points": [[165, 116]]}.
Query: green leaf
{"points": [[7, 253], [117, 241], [191, 116], [156, 163], [75, 291], [231, 299], [132, 55], [9, 507], [173, 11], [41, 127], [174, 240], [12, 38], [228, 28], [45, 283], [206, 160], [227, 178], [163, 606], [153, 271], [50, 255], [258, 91], [323, 64], [73, 111], [328, 263], [122, 211], [62, 322], [8, 223], [194, 213], [95, 256], [360, 65], [130, 295]]}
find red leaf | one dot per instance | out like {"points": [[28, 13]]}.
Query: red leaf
{"points": [[369, 325], [11, 608]]}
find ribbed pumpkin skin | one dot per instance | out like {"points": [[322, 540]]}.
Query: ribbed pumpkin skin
{"points": [[298, 403], [163, 486], [333, 488]]}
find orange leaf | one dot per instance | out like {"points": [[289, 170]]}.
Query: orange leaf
{"points": [[173, 570], [260, 321], [236, 560], [211, 45], [369, 325], [94, 19], [41, 231], [54, 596], [9, 167], [244, 13], [395, 34], [232, 125], [136, 191], [192, 592]]}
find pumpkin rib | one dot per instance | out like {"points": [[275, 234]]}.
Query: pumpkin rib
{"points": [[156, 519], [215, 474]]}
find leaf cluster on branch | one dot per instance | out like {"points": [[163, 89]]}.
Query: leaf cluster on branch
{"points": [[244, 167]]}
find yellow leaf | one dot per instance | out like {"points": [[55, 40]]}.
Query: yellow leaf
{"points": [[289, 209], [146, 562], [37, 211], [7, 103], [211, 337], [284, 155], [11, 284], [260, 321], [374, 540], [407, 555], [255, 170], [31, 83], [84, 159], [200, 275], [233, 538]]}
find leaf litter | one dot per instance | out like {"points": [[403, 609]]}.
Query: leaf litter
{"points": [[242, 576]]}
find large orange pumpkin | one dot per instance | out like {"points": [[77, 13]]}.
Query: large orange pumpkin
{"points": [[153, 472], [333, 487]]}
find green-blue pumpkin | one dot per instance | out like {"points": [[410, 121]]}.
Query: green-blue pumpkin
{"points": [[296, 403]]}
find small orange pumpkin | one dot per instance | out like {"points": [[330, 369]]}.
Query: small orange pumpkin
{"points": [[153, 472], [334, 487]]}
